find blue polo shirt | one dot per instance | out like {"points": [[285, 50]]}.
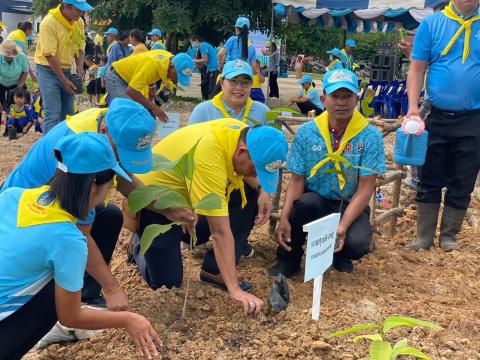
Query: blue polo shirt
{"points": [[10, 72], [39, 165], [450, 85], [314, 96], [234, 50], [30, 257], [308, 149], [118, 52], [209, 50], [206, 111]]}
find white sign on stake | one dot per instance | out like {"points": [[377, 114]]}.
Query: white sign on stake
{"points": [[322, 234], [173, 123]]}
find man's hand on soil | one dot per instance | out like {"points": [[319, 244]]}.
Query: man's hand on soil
{"points": [[283, 234], [341, 235], [264, 209], [117, 300], [251, 304]]}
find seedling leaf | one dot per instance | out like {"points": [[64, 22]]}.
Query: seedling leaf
{"points": [[143, 196], [373, 337], [161, 163], [356, 328], [210, 202], [332, 171], [394, 322], [171, 199], [337, 157], [409, 351], [380, 350], [150, 233]]}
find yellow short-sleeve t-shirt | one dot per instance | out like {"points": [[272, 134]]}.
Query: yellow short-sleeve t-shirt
{"points": [[213, 160], [140, 71], [52, 41]]}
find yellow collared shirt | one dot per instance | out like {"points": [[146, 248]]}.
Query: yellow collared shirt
{"points": [[52, 41], [213, 157], [144, 69]]}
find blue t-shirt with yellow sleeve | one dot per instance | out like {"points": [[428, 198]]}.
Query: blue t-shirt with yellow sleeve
{"points": [[36, 248], [308, 149]]}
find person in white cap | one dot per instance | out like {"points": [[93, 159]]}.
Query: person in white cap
{"points": [[13, 69]]}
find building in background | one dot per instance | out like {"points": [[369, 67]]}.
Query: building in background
{"points": [[14, 11]]}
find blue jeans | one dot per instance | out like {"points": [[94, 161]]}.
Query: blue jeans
{"points": [[57, 102], [116, 86]]}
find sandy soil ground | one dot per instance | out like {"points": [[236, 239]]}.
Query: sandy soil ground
{"points": [[429, 285]]}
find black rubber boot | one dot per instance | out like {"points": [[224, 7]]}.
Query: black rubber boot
{"points": [[427, 219], [450, 226]]}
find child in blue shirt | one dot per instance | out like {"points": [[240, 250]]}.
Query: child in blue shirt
{"points": [[18, 115]]}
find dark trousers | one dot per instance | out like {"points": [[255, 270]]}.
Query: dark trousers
{"points": [[309, 106], [162, 264], [208, 83], [452, 160], [273, 85], [311, 206], [5, 99], [25, 327], [105, 230]]}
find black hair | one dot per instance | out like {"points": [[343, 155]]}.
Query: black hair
{"points": [[194, 37], [243, 38], [122, 35], [138, 35], [103, 58], [25, 26], [89, 57], [273, 47], [73, 190], [244, 132], [20, 92], [313, 83], [1, 39]]}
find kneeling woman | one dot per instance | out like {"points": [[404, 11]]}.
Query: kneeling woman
{"points": [[308, 98], [43, 254]]}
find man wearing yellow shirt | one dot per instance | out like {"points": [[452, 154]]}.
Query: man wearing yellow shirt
{"points": [[61, 41], [132, 76], [240, 165]]}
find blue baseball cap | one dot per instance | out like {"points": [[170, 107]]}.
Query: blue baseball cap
{"points": [[236, 67], [111, 31], [184, 65], [241, 22], [132, 129], [268, 149], [155, 31], [335, 52], [81, 5], [306, 79], [350, 42], [88, 153], [340, 79]]}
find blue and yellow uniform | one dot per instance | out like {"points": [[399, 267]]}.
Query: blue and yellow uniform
{"points": [[28, 261], [19, 119], [38, 112]]}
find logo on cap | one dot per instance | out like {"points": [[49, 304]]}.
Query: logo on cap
{"points": [[160, 57], [239, 65], [187, 71], [144, 142], [273, 166], [338, 76]]}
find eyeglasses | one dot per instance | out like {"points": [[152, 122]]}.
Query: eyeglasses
{"points": [[244, 84]]}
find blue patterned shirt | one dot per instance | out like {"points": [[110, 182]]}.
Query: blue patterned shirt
{"points": [[308, 149]]}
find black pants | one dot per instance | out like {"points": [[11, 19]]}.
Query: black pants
{"points": [[311, 206], [25, 327], [452, 160], [208, 83], [105, 230], [273, 85], [162, 264], [309, 106], [5, 99]]}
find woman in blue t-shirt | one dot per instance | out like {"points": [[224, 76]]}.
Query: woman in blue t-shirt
{"points": [[43, 254]]}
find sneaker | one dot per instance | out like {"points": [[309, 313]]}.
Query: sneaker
{"points": [[286, 268], [343, 265], [217, 281], [248, 251]]}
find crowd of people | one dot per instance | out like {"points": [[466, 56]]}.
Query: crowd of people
{"points": [[58, 191]]}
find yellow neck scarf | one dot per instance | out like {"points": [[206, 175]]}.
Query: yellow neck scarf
{"points": [[75, 36], [356, 125], [86, 121], [37, 208], [305, 93], [229, 143], [218, 103], [17, 35], [465, 25], [332, 64]]}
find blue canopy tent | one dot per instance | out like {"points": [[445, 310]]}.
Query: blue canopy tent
{"points": [[16, 7], [356, 15]]}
